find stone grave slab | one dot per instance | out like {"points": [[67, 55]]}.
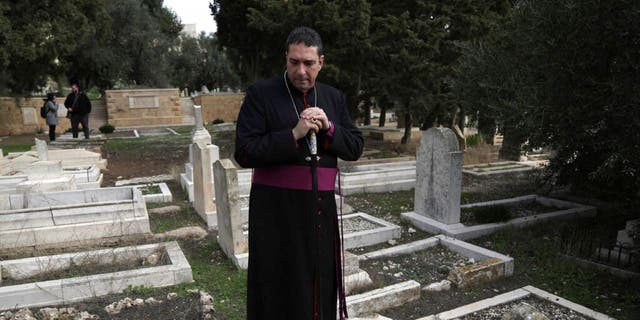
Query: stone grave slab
{"points": [[524, 292], [69, 290], [559, 209], [378, 177], [56, 218], [86, 177]]}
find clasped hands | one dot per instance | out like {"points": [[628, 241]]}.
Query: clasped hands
{"points": [[310, 119]]}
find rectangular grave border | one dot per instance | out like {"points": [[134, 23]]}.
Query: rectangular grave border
{"points": [[460, 231], [384, 233], [503, 263], [507, 167], [383, 298], [517, 294], [64, 291], [163, 197]]}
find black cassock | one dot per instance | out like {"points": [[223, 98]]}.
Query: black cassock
{"points": [[294, 269]]}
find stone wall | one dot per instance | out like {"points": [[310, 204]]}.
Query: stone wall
{"points": [[120, 108], [225, 106], [22, 116], [143, 107]]}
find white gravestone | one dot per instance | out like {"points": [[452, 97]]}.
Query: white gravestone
{"points": [[203, 190], [230, 219], [439, 176], [199, 136], [42, 149]]}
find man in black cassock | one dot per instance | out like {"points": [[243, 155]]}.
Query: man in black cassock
{"points": [[294, 244]]}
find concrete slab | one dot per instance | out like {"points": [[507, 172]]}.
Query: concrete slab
{"points": [[63, 291], [566, 210]]}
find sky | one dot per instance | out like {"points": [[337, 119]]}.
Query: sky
{"points": [[193, 11]]}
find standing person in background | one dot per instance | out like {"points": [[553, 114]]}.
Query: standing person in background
{"points": [[79, 105], [292, 129], [51, 108]]}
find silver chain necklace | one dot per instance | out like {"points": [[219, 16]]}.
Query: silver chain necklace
{"points": [[293, 103]]}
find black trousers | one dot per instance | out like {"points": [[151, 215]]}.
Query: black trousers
{"points": [[77, 119], [52, 132]]}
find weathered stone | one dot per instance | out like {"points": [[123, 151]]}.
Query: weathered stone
{"points": [[49, 313], [24, 314], [152, 301], [439, 176], [203, 189], [171, 295], [165, 210], [194, 232], [480, 272], [42, 149], [443, 285], [230, 219], [153, 259]]}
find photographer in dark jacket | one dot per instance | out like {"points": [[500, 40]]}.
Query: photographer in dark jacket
{"points": [[79, 106]]}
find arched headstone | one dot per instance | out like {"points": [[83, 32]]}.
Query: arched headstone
{"points": [[439, 176]]}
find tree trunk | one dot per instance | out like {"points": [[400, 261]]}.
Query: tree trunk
{"points": [[367, 112], [407, 129], [511, 144], [383, 116]]}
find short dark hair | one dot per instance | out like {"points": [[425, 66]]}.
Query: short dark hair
{"points": [[50, 96], [305, 35]]}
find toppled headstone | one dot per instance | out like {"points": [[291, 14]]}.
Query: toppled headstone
{"points": [[165, 210], [193, 232]]}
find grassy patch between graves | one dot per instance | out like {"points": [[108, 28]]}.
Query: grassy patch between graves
{"points": [[165, 222], [18, 147], [216, 274]]}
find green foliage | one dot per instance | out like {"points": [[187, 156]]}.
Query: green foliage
{"points": [[562, 74], [107, 128], [472, 140], [94, 93], [200, 62], [186, 217]]}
